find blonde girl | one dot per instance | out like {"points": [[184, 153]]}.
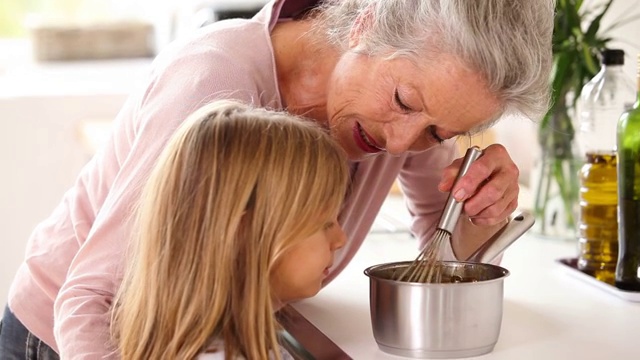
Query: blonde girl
{"points": [[238, 218]]}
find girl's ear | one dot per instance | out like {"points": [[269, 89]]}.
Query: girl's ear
{"points": [[360, 26]]}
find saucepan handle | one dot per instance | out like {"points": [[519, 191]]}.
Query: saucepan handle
{"points": [[518, 224]]}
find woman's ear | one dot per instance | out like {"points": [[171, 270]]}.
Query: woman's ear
{"points": [[360, 26]]}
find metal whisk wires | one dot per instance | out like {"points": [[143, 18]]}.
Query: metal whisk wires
{"points": [[426, 267]]}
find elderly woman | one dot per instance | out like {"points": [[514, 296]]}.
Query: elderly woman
{"points": [[395, 82]]}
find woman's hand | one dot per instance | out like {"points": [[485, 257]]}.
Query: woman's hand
{"points": [[489, 188]]}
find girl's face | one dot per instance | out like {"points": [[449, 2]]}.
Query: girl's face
{"points": [[301, 270], [376, 105]]}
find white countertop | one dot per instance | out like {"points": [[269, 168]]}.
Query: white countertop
{"points": [[548, 314]]}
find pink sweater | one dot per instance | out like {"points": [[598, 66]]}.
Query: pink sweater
{"points": [[73, 266]]}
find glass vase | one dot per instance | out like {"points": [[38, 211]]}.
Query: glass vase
{"points": [[555, 181]]}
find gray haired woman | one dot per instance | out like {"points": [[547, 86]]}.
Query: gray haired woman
{"points": [[393, 81]]}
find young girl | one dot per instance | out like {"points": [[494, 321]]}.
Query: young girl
{"points": [[237, 219]]}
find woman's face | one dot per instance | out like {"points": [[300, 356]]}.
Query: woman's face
{"points": [[376, 105], [301, 270]]}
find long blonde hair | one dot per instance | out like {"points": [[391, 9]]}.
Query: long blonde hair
{"points": [[233, 191]]}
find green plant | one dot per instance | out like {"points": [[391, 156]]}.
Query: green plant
{"points": [[577, 39]]}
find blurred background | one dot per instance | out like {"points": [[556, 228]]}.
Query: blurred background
{"points": [[67, 66]]}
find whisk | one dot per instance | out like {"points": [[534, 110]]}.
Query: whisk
{"points": [[425, 268]]}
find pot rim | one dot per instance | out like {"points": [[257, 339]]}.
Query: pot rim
{"points": [[368, 272]]}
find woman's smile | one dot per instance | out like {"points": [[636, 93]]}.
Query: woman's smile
{"points": [[364, 140]]}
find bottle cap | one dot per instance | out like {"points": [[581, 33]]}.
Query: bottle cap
{"points": [[612, 57]]}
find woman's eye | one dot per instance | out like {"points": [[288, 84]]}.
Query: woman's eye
{"points": [[400, 103], [434, 134]]}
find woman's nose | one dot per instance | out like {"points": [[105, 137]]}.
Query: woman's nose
{"points": [[339, 238], [403, 136]]}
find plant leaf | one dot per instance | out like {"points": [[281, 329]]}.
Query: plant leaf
{"points": [[589, 62], [592, 30]]}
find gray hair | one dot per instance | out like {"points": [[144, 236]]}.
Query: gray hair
{"points": [[507, 41]]}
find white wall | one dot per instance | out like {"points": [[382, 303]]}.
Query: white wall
{"points": [[41, 152], [626, 37], [42, 110]]}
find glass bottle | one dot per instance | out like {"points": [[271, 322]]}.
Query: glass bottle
{"points": [[602, 100], [597, 221], [628, 141]]}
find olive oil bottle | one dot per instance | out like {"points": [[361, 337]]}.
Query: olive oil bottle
{"points": [[598, 220], [628, 150]]}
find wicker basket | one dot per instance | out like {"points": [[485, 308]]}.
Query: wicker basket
{"points": [[117, 39]]}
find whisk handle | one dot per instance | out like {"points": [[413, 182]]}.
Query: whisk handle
{"points": [[453, 208]]}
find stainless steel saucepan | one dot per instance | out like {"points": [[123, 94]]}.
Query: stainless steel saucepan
{"points": [[459, 317]]}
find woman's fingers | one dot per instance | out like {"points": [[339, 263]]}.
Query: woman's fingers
{"points": [[494, 214], [489, 188]]}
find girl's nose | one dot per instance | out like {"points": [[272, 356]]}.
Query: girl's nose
{"points": [[338, 238]]}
